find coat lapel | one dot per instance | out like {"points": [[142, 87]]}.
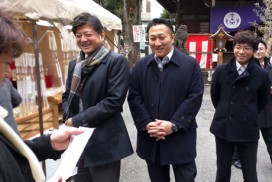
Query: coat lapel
{"points": [[232, 73]]}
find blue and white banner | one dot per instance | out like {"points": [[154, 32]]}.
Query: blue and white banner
{"points": [[233, 18]]}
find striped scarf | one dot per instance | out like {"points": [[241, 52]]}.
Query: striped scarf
{"points": [[82, 69]]}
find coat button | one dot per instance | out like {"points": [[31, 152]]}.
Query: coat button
{"points": [[233, 86], [231, 102], [182, 117], [247, 88], [230, 118], [152, 105], [244, 119]]}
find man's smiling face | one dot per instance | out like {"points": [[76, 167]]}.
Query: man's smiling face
{"points": [[161, 39]]}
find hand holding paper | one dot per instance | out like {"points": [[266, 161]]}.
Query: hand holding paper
{"points": [[71, 155]]}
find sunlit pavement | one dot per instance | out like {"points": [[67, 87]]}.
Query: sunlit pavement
{"points": [[134, 169]]}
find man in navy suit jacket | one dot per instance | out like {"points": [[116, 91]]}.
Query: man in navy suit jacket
{"points": [[165, 94]]}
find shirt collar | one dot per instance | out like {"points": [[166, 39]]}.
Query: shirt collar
{"points": [[238, 65]]}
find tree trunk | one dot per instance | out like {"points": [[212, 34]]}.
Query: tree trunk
{"points": [[131, 16], [178, 14]]}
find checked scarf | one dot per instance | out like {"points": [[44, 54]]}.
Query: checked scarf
{"points": [[82, 69]]}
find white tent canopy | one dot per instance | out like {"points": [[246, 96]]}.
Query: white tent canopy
{"points": [[62, 11]]}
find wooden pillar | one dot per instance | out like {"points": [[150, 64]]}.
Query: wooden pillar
{"points": [[220, 58]]}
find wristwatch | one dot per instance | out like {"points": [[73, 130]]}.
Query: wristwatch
{"points": [[175, 128]]}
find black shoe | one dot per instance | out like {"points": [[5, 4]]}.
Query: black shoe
{"points": [[237, 164]]}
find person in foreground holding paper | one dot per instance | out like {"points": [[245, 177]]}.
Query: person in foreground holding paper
{"points": [[96, 89], [19, 160]]}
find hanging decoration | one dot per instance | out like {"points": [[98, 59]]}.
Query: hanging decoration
{"points": [[26, 83], [53, 48]]}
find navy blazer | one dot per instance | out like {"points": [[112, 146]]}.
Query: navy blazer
{"points": [[238, 99], [103, 95], [174, 95]]}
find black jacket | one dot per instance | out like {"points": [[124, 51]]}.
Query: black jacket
{"points": [[14, 166], [238, 99], [174, 95], [103, 95], [265, 117]]}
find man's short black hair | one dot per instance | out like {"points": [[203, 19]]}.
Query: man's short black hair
{"points": [[158, 21], [246, 37], [87, 18]]}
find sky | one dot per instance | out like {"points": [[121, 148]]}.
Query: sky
{"points": [[156, 9]]}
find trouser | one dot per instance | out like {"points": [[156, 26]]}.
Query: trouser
{"points": [[248, 158], [182, 172], [235, 156], [267, 136], [109, 172]]}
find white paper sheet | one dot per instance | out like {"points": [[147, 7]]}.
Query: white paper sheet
{"points": [[203, 58], [192, 48], [71, 155]]}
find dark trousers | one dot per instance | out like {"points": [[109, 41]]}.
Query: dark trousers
{"points": [[248, 158], [109, 172], [183, 172], [267, 136], [235, 156]]}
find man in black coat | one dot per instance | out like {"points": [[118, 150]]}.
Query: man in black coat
{"points": [[265, 117], [239, 91], [96, 89], [165, 95]]}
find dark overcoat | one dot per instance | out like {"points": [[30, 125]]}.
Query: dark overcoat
{"points": [[238, 99], [103, 95], [9, 99], [265, 117], [15, 167], [174, 95]]}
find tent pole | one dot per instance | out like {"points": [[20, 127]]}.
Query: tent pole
{"points": [[38, 81]]}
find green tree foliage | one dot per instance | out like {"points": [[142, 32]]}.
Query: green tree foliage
{"points": [[129, 12], [170, 16], [114, 6]]}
